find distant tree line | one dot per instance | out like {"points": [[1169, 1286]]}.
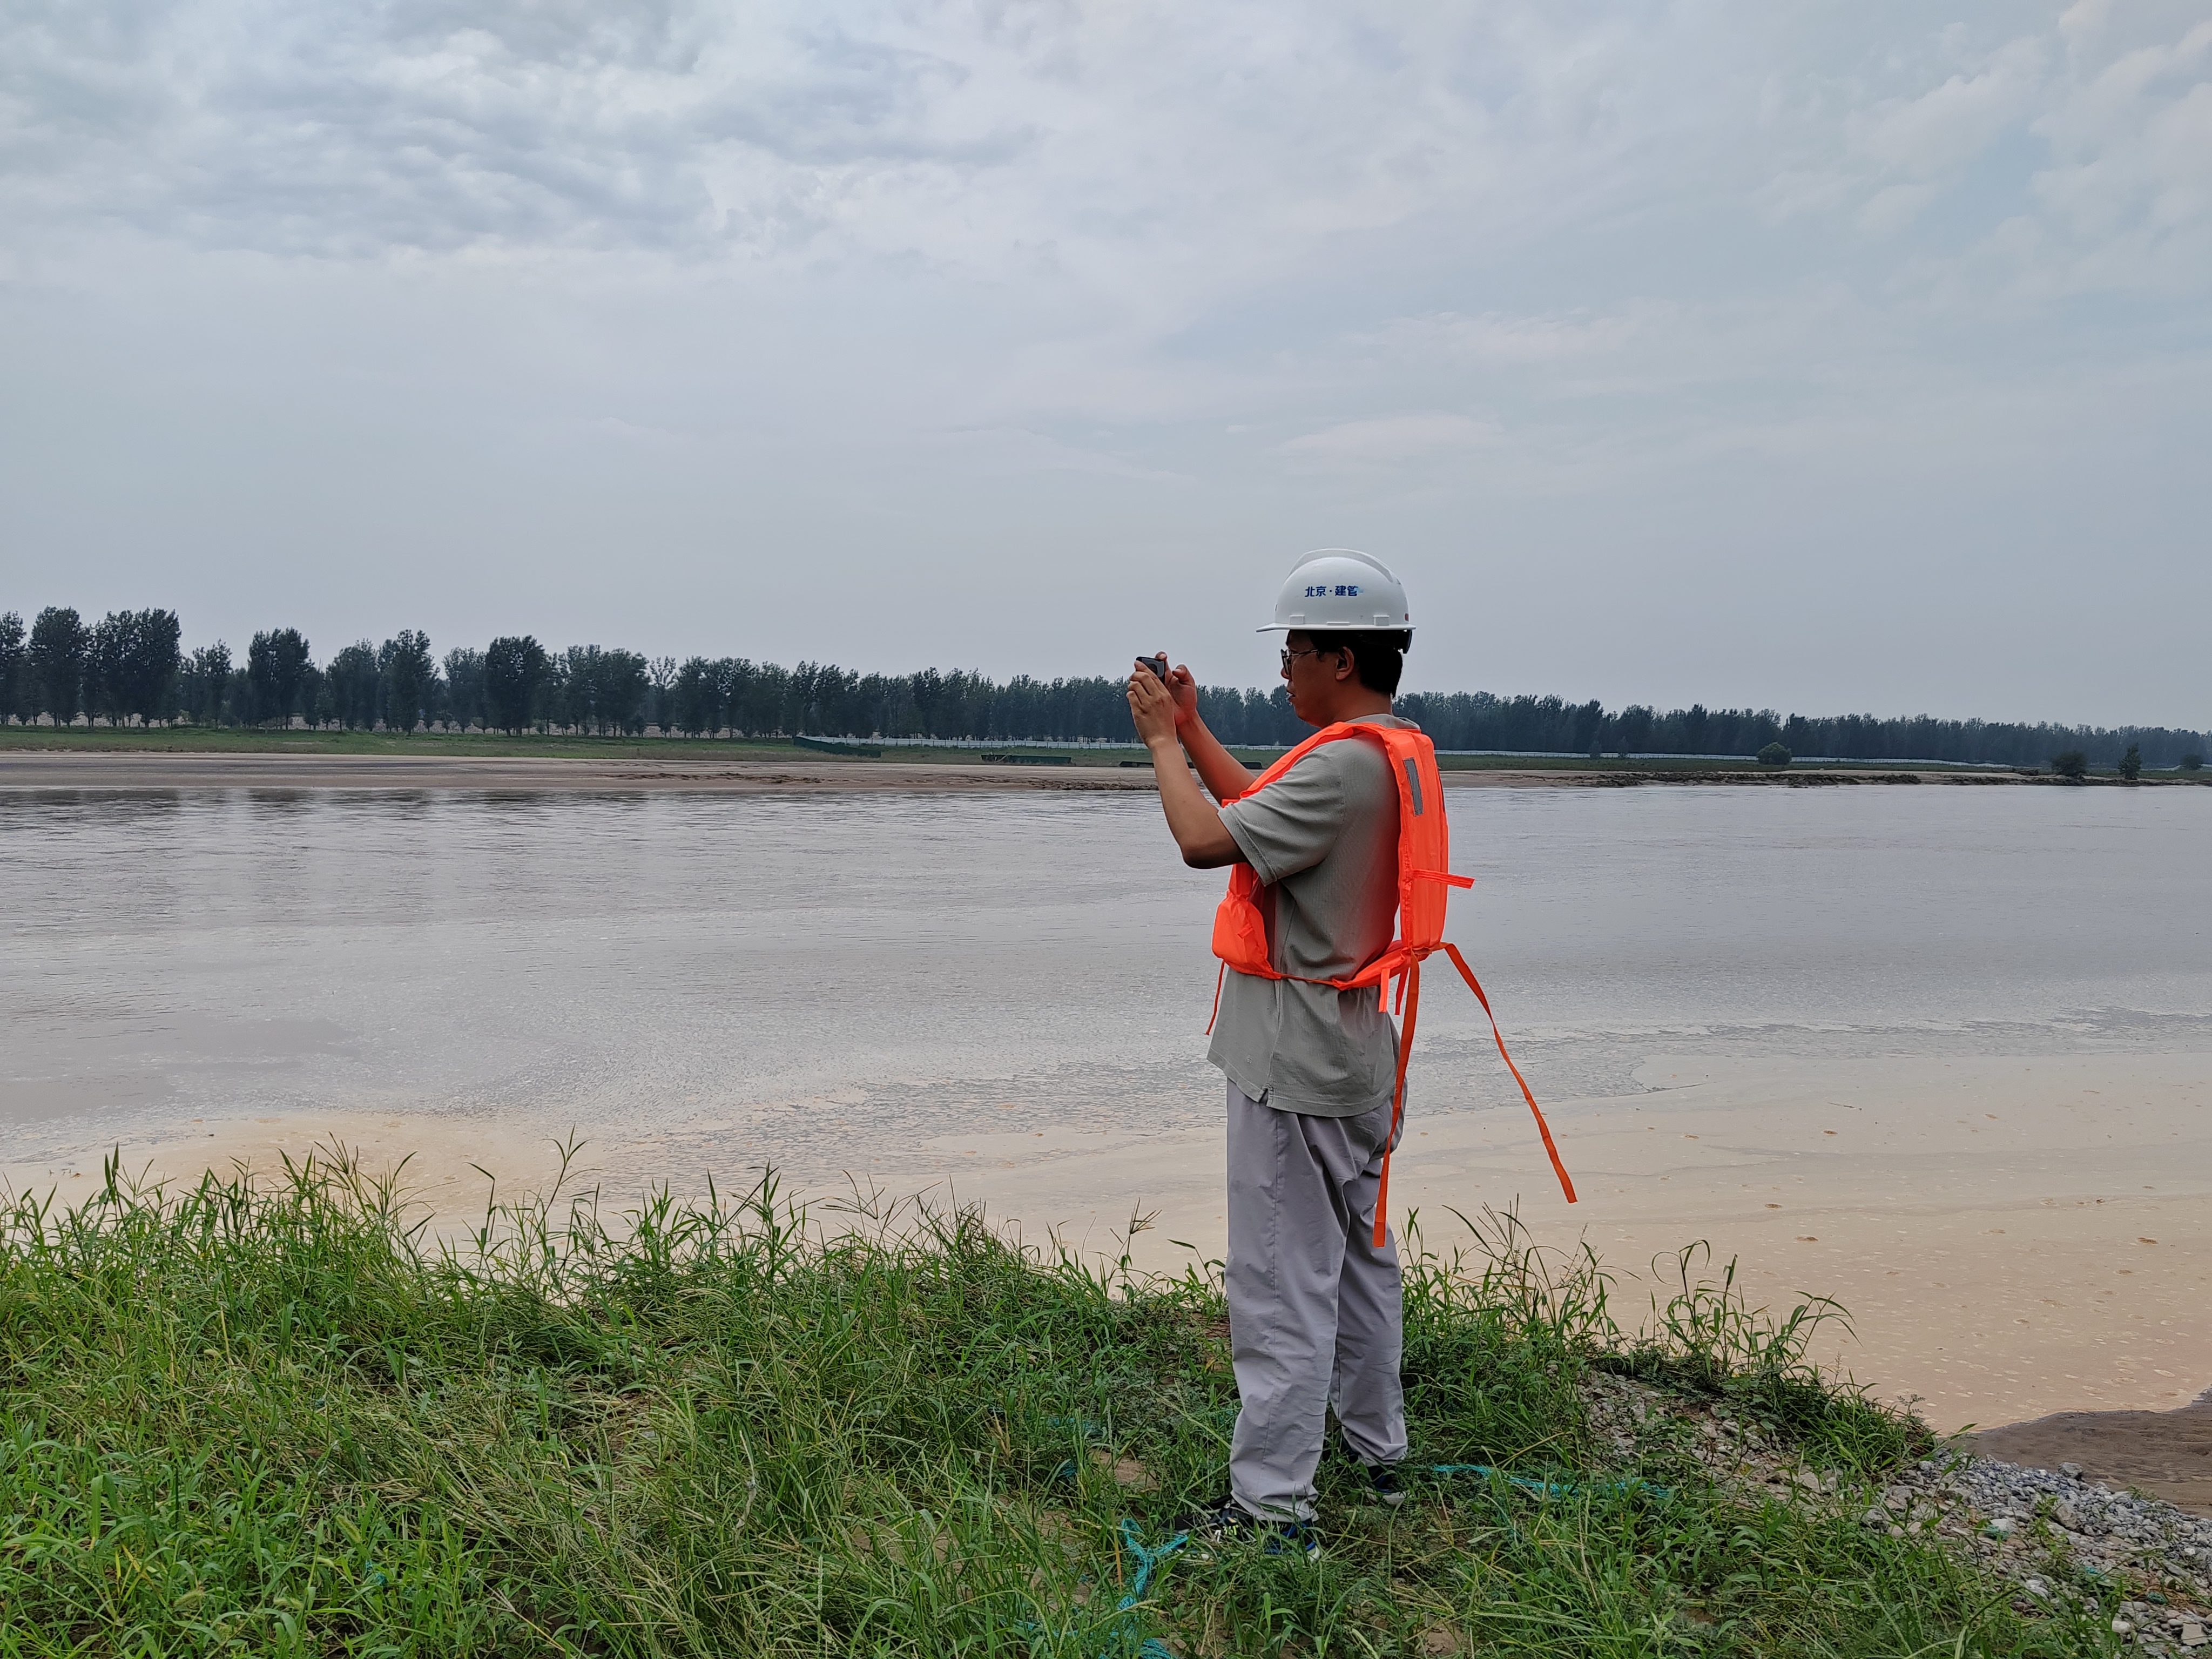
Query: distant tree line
{"points": [[130, 668], [1527, 724]]}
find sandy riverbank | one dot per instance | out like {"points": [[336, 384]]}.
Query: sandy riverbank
{"points": [[64, 770], [43, 768], [2012, 1237]]}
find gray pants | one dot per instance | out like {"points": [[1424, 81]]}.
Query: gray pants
{"points": [[1315, 1312]]}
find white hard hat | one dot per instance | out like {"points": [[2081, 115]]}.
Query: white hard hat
{"points": [[1334, 590]]}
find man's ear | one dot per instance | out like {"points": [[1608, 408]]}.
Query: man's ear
{"points": [[1346, 665]]}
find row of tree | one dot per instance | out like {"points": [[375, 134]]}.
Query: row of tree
{"points": [[123, 667], [129, 668]]}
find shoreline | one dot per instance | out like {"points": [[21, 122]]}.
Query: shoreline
{"points": [[24, 769]]}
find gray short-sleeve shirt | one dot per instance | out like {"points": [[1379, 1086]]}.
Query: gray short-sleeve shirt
{"points": [[1323, 839]]}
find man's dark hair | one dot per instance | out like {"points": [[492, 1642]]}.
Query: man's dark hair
{"points": [[1378, 655]]}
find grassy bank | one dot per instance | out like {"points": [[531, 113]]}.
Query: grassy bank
{"points": [[279, 1419]]}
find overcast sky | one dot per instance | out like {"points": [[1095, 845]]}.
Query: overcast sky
{"points": [[1828, 356]]}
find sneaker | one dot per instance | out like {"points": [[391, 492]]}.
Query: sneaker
{"points": [[1385, 1484], [1230, 1522]]}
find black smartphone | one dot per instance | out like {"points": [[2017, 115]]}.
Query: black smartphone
{"points": [[1158, 665]]}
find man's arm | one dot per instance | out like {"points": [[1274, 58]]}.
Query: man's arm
{"points": [[1193, 820], [1221, 771]]}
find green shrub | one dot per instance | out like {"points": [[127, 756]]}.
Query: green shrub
{"points": [[2073, 765], [1774, 754]]}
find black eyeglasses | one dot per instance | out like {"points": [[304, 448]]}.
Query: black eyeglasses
{"points": [[1311, 651]]}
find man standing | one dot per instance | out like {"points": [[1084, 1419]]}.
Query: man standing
{"points": [[1315, 1310]]}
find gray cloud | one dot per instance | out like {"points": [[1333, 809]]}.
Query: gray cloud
{"points": [[1749, 297], [1212, 146]]}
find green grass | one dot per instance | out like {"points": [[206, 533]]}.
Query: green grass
{"points": [[281, 1418]]}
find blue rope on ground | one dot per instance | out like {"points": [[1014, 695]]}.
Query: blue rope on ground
{"points": [[1147, 1561], [1551, 1488], [1090, 1431]]}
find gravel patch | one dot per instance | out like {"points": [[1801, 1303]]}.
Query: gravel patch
{"points": [[2055, 1535]]}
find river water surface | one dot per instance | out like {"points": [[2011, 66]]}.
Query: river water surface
{"points": [[900, 963]]}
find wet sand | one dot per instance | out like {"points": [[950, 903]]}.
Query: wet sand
{"points": [[2166, 1454], [2012, 1237]]}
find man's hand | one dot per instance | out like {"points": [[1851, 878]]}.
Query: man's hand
{"points": [[1162, 712], [1154, 707], [1184, 688]]}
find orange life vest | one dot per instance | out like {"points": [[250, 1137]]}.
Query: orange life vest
{"points": [[1425, 881]]}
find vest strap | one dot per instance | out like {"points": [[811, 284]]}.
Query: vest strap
{"points": [[1542, 1128], [1412, 990], [1377, 973], [1397, 1102]]}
